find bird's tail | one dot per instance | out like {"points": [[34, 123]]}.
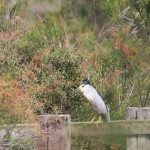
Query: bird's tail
{"points": [[108, 114], [106, 117]]}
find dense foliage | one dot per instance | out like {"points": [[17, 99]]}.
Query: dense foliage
{"points": [[43, 58]]}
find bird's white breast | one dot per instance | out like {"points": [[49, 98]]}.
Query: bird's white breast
{"points": [[95, 99]]}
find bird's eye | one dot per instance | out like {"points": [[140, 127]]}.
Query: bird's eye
{"points": [[82, 86]]}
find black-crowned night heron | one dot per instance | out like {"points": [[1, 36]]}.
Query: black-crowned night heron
{"points": [[95, 100]]}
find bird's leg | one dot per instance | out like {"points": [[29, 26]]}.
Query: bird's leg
{"points": [[99, 121], [100, 118], [93, 119]]}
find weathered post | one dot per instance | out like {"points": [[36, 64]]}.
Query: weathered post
{"points": [[42, 138], [55, 132], [138, 142]]}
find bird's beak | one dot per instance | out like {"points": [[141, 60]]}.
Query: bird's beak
{"points": [[77, 89]]}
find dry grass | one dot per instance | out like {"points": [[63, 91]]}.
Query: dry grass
{"points": [[15, 101]]}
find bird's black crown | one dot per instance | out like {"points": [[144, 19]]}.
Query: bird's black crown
{"points": [[86, 81]]}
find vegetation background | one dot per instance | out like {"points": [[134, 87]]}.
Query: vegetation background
{"points": [[48, 47]]}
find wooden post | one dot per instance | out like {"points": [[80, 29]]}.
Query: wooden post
{"points": [[55, 132], [42, 139], [138, 142]]}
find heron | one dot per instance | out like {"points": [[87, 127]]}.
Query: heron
{"points": [[95, 99]]}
